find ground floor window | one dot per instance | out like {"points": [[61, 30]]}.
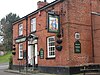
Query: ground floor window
{"points": [[20, 51], [51, 46]]}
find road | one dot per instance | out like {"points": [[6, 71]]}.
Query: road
{"points": [[3, 67]]}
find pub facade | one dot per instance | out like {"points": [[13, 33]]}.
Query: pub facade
{"points": [[58, 37]]}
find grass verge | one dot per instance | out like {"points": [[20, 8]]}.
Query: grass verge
{"points": [[5, 58]]}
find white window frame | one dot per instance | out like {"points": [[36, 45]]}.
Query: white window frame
{"points": [[50, 47], [33, 25], [20, 29], [20, 51]]}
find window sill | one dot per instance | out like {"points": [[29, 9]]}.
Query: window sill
{"points": [[50, 58], [20, 35], [20, 58], [32, 32]]}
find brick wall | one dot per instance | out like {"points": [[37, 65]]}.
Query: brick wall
{"points": [[75, 16]]}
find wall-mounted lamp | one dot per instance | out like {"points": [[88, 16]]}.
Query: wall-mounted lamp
{"points": [[13, 51]]}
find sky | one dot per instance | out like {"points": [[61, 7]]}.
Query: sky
{"points": [[19, 7]]}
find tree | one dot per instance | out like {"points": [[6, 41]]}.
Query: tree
{"points": [[7, 30]]}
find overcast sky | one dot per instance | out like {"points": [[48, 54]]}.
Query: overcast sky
{"points": [[20, 7]]}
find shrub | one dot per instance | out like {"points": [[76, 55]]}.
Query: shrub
{"points": [[10, 62]]}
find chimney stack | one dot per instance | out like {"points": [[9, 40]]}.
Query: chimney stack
{"points": [[45, 1], [41, 4]]}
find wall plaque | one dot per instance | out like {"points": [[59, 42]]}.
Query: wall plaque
{"points": [[77, 47], [41, 53]]}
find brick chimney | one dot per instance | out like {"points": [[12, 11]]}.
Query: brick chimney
{"points": [[41, 4]]}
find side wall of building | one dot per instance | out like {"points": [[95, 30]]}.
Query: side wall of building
{"points": [[79, 20]]}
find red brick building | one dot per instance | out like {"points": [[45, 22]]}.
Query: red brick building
{"points": [[58, 36]]}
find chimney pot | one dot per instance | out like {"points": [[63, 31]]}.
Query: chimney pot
{"points": [[41, 4], [45, 1]]}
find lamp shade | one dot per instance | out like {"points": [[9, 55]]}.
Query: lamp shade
{"points": [[13, 52], [59, 35], [59, 41], [59, 48]]}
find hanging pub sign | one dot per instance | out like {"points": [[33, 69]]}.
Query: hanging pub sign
{"points": [[53, 22], [77, 47]]}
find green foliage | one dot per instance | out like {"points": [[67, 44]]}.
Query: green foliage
{"points": [[5, 58], [8, 30], [10, 59], [1, 47], [10, 62]]}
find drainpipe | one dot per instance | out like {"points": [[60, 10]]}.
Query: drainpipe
{"points": [[26, 17], [92, 31], [68, 31]]}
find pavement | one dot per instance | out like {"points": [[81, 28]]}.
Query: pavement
{"points": [[38, 73], [4, 66], [4, 69], [27, 73]]}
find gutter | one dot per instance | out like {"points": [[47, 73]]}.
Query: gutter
{"points": [[95, 13]]}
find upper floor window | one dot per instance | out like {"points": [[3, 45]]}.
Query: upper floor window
{"points": [[51, 46], [33, 24], [20, 29], [20, 51]]}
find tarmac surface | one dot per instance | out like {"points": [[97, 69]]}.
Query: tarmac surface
{"points": [[4, 67]]}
